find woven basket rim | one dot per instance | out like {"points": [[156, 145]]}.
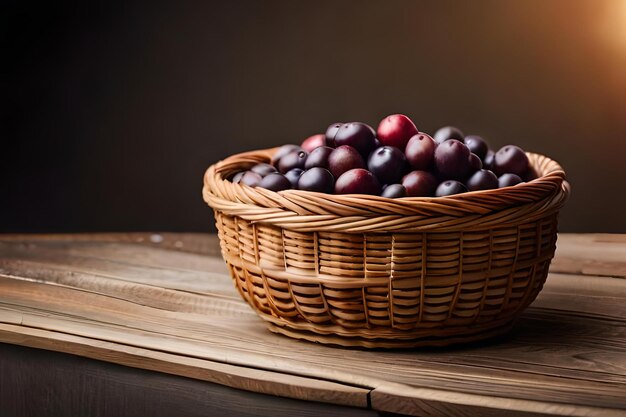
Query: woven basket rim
{"points": [[310, 211]]}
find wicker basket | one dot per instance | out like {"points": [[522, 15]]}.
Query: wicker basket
{"points": [[369, 271]]}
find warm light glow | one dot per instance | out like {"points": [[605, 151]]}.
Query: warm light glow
{"points": [[613, 28]]}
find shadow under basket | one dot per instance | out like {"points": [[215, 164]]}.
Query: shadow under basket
{"points": [[357, 270]]}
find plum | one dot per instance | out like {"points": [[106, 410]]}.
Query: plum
{"points": [[452, 160], [450, 187], [344, 158], [396, 130], [317, 179], [420, 151], [448, 132], [387, 163], [510, 159], [275, 182], [419, 184], [357, 181], [358, 135], [482, 180]]}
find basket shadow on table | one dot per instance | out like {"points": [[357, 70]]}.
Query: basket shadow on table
{"points": [[535, 330]]}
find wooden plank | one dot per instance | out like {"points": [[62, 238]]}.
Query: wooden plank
{"points": [[244, 378], [36, 382], [417, 401], [591, 254], [567, 350], [202, 243]]}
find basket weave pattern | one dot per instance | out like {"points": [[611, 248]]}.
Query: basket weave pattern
{"points": [[376, 272]]}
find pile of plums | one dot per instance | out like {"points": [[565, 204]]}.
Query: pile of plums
{"points": [[396, 160]]}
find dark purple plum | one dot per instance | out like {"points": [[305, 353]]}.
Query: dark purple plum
{"points": [[293, 175], [317, 179], [358, 135], [275, 182], [452, 160], [508, 180], [488, 159], [394, 191], [448, 132], [331, 131], [510, 159], [251, 179], [263, 169], [482, 180], [450, 187], [284, 150], [344, 158], [476, 145], [530, 175], [357, 181], [475, 163], [420, 151], [318, 157], [419, 184], [377, 143], [292, 160], [237, 177], [387, 163]]}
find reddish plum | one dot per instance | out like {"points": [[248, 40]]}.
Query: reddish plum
{"points": [[420, 151], [313, 142], [357, 181], [419, 184], [396, 130]]}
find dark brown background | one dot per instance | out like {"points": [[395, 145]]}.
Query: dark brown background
{"points": [[111, 113]]}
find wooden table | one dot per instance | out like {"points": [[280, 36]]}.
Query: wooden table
{"points": [[163, 306]]}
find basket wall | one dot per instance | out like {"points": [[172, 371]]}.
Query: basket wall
{"points": [[392, 285]]}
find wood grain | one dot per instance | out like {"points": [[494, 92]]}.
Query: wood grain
{"points": [[591, 254], [147, 305], [36, 382], [244, 378]]}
